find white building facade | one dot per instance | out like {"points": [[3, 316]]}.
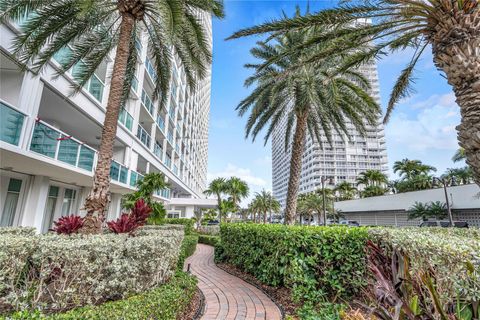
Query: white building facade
{"points": [[49, 138], [342, 161]]}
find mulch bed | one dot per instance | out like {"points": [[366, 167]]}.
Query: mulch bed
{"points": [[281, 296], [195, 308]]}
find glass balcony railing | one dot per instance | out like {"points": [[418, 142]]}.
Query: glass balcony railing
{"points": [[179, 129], [147, 102], [150, 69], [118, 172], [165, 193], [55, 144], [138, 45], [168, 161], [175, 170], [134, 84], [177, 148], [170, 137], [172, 112], [135, 177], [158, 150], [161, 123], [126, 119], [11, 124], [143, 136]]}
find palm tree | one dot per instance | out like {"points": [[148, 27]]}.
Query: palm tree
{"points": [[217, 187], [459, 155], [237, 189], [345, 190], [92, 29], [462, 175], [312, 203], [263, 203], [225, 207], [372, 178], [314, 98], [408, 169], [450, 27]]}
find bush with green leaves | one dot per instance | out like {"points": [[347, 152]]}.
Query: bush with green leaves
{"points": [[57, 272], [18, 231], [209, 230], [189, 244], [424, 211], [207, 239], [318, 263], [187, 223], [167, 301]]}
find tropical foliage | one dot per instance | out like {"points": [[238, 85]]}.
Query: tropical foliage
{"points": [[414, 175], [449, 27], [424, 211], [373, 182], [237, 189], [315, 99], [262, 204], [345, 191], [234, 189], [90, 30], [312, 203], [217, 187]]}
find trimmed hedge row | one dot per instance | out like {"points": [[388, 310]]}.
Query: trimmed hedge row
{"points": [[187, 223], [167, 301], [210, 240], [189, 245], [56, 272], [316, 262]]}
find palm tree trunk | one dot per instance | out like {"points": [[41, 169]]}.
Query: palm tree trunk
{"points": [[265, 217], [254, 217], [219, 202], [295, 168], [455, 49], [97, 201]]}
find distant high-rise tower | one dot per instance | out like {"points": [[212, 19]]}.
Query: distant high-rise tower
{"points": [[342, 161]]}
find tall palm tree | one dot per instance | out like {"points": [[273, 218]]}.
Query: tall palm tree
{"points": [[92, 29], [217, 187], [449, 27], [372, 178], [237, 189], [264, 202], [314, 98], [345, 190]]}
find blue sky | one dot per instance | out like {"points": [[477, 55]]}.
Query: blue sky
{"points": [[422, 126]]}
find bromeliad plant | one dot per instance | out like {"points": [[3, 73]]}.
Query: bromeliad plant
{"points": [[129, 222], [68, 225]]}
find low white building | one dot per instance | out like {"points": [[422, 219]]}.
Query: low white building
{"points": [[391, 210]]}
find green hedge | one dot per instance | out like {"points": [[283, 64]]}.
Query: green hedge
{"points": [[188, 248], [167, 301], [316, 262], [188, 223], [210, 240]]}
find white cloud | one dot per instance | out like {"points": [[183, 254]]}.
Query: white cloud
{"points": [[433, 127], [263, 161], [242, 173]]}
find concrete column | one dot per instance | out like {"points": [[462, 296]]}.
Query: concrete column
{"points": [[35, 203], [29, 102]]}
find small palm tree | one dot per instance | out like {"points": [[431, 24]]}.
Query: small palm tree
{"points": [[92, 29], [237, 189], [217, 187], [264, 202], [461, 175], [315, 99], [345, 190], [372, 178], [225, 207], [408, 169], [449, 27], [312, 203]]}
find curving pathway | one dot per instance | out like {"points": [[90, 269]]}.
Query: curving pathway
{"points": [[226, 296]]}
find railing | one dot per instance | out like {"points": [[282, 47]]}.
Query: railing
{"points": [[143, 136], [134, 84], [126, 119], [175, 170], [55, 144], [158, 150], [94, 85], [179, 129], [171, 112], [118, 172], [150, 70], [11, 124], [168, 161], [161, 123], [170, 137], [177, 148], [165, 193], [147, 102], [135, 177]]}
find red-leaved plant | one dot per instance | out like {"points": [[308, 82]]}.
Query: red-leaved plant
{"points": [[128, 223], [68, 225]]}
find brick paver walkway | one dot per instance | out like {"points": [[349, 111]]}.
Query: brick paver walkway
{"points": [[226, 296]]}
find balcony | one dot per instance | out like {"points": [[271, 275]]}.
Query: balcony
{"points": [[126, 119], [161, 123], [158, 150], [134, 84], [138, 45], [170, 137], [175, 170], [147, 102], [135, 177], [171, 112], [118, 172], [168, 161], [11, 124], [143, 136], [55, 144]]}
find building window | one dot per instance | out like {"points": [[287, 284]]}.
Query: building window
{"points": [[174, 215], [68, 202], [11, 202], [50, 208]]}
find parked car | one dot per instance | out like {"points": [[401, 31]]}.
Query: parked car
{"points": [[444, 224], [350, 223]]}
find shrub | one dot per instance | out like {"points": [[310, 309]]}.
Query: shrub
{"points": [[187, 223], [55, 272], [68, 225], [316, 262], [167, 301], [209, 230], [189, 244], [210, 240], [128, 223], [18, 231]]}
